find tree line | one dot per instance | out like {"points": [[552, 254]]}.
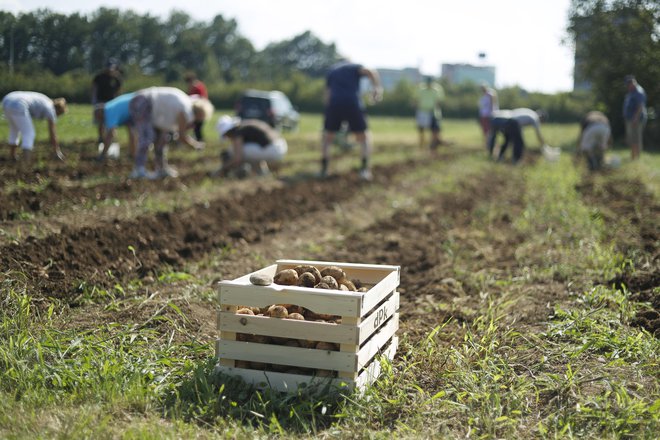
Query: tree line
{"points": [[58, 54]]}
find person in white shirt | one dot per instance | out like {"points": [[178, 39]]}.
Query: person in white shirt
{"points": [[526, 117], [20, 108], [158, 111]]}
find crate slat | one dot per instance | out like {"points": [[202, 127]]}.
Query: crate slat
{"points": [[332, 302], [288, 328], [377, 342], [283, 355], [372, 322]]}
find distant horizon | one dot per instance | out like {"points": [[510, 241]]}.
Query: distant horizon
{"points": [[525, 53]]}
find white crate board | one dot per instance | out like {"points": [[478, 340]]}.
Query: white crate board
{"points": [[370, 323], [332, 302], [288, 328], [283, 355], [308, 357], [290, 382], [377, 342]]}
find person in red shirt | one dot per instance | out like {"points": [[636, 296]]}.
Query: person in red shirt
{"points": [[196, 88]]}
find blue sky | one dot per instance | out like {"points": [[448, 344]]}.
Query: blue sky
{"points": [[521, 38]]}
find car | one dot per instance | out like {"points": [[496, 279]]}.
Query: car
{"points": [[273, 107]]}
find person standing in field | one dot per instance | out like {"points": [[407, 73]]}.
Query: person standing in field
{"points": [[429, 113], [20, 108], [196, 88], [595, 136], [155, 113], [113, 114], [105, 86], [343, 104], [488, 103], [634, 114]]}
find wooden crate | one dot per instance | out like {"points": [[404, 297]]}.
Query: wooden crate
{"points": [[367, 331]]}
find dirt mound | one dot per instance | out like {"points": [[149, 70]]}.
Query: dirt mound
{"points": [[60, 265]]}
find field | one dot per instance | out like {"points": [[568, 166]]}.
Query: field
{"points": [[530, 294]]}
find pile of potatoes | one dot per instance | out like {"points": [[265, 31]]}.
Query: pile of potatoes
{"points": [[287, 311], [331, 277]]}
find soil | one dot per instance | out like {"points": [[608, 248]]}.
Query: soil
{"points": [[335, 219]]}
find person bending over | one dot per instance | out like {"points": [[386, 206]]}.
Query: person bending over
{"points": [[255, 146]]}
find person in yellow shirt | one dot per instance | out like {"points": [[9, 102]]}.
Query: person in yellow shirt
{"points": [[429, 114]]}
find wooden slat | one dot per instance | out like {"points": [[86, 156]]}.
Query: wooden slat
{"points": [[245, 279], [373, 321], [285, 382], [377, 342], [283, 355], [288, 328], [332, 302], [370, 374], [379, 292]]}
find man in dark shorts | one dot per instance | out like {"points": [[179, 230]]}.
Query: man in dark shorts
{"points": [[343, 104], [105, 87]]}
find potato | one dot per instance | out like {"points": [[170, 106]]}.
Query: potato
{"points": [[325, 373], [363, 289], [307, 279], [259, 279], [330, 281], [309, 315], [296, 316], [327, 318], [343, 288], [307, 344], [335, 272], [286, 277], [260, 339], [244, 311], [306, 268], [293, 308], [348, 284], [279, 368], [322, 285], [322, 345], [276, 311]]}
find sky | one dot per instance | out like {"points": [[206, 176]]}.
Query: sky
{"points": [[521, 38]]}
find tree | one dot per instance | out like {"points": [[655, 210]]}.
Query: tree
{"points": [[304, 53], [612, 39], [234, 54]]}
